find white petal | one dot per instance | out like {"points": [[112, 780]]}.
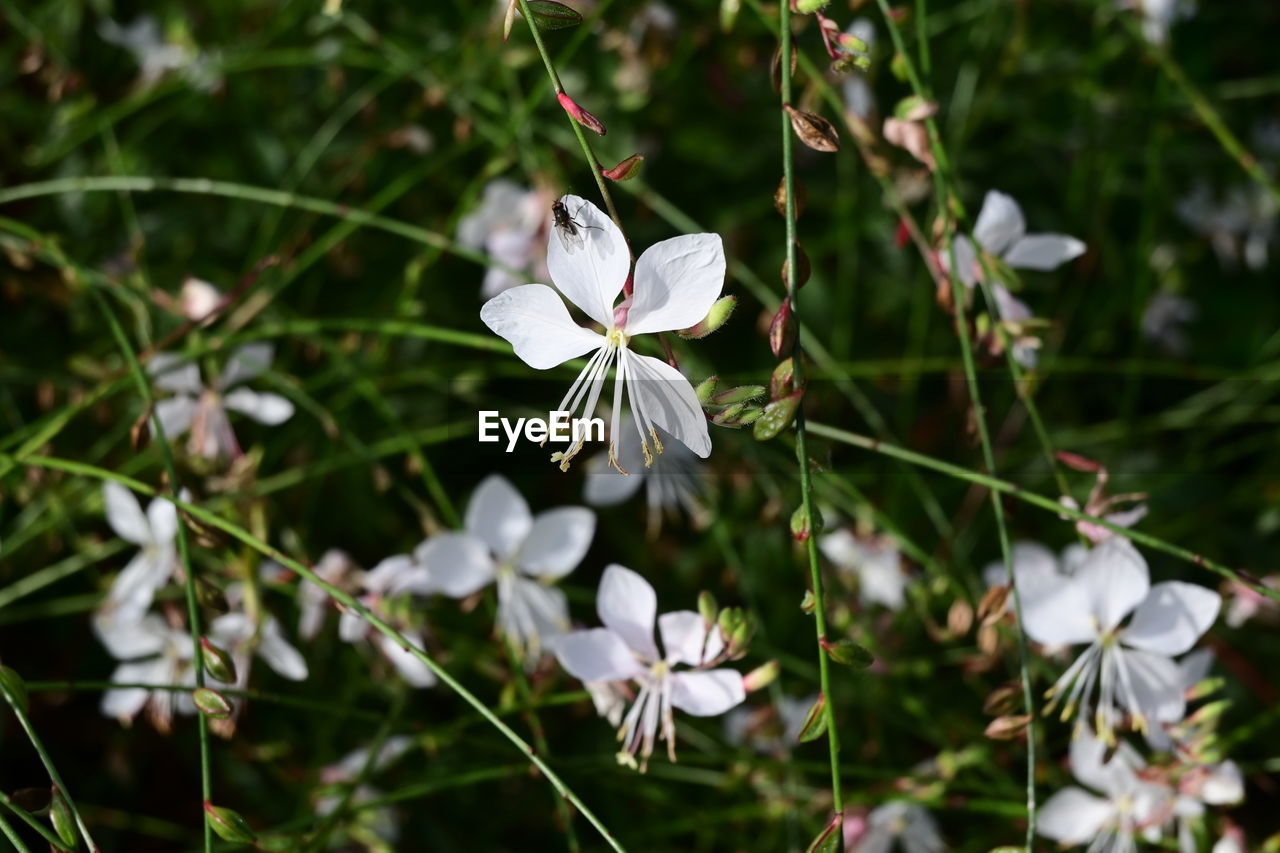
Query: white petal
{"points": [[596, 655], [558, 542], [351, 627], [1157, 686], [172, 372], [411, 669], [533, 319], [232, 628], [1000, 223], [263, 407], [1195, 667], [669, 401], [387, 577], [706, 694], [246, 363], [546, 610], [279, 653], [1059, 617], [1088, 764], [1115, 578], [676, 283], [1073, 816], [1043, 251], [459, 563], [602, 485], [628, 606], [593, 275], [125, 515], [1172, 617], [840, 547], [1031, 558], [134, 588], [130, 638], [1224, 785], [685, 638], [162, 517], [498, 516], [126, 702], [966, 260], [176, 414]]}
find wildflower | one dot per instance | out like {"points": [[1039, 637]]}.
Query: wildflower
{"points": [[393, 577], [1159, 16], [335, 567], [507, 226], [1133, 665], [1001, 231], [771, 729], [1240, 224], [624, 651], [908, 824], [155, 55], [858, 96], [155, 532], [875, 561], [1036, 569], [203, 410], [503, 542], [380, 825], [1247, 603], [676, 283], [198, 299], [239, 634], [1220, 784], [674, 482], [151, 652], [1129, 807], [1163, 319], [1100, 504]]}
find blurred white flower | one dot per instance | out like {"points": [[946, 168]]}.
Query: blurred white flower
{"points": [[676, 283], [774, 728], [1129, 807], [1132, 666], [1246, 603], [903, 823], [399, 575], [198, 298], [203, 410], [151, 653], [510, 225], [858, 97], [151, 568], [1163, 319], [1241, 223], [875, 561], [241, 637], [673, 483], [1159, 16], [334, 567], [624, 651], [1036, 569], [348, 768], [156, 56], [382, 822], [1220, 784], [503, 542], [1001, 230]]}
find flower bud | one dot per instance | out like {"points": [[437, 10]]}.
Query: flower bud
{"points": [[15, 688], [580, 115], [782, 330], [228, 824], [217, 662], [508, 21], [808, 7], [64, 822], [705, 389], [1204, 688], [815, 722], [728, 415], [814, 130], [1008, 727], [761, 676], [198, 299], [808, 604], [626, 170], [728, 622], [708, 609], [739, 394], [852, 43], [719, 314], [1002, 700], [729, 14], [211, 703]]}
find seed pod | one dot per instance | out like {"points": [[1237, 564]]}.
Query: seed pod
{"points": [[782, 382], [211, 703], [580, 115], [782, 330], [814, 130], [777, 416], [228, 824], [626, 170], [217, 662], [815, 722], [1008, 727], [775, 67], [780, 196], [993, 604], [140, 432], [803, 270], [800, 530], [64, 822], [848, 653], [1002, 700]]}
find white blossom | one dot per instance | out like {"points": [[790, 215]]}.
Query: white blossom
{"points": [[902, 822], [155, 532], [242, 637], [676, 283], [1240, 224], [335, 567], [502, 542], [1132, 666], [509, 225], [399, 575], [673, 483], [155, 55], [875, 561], [153, 653], [625, 651], [1163, 319], [1159, 16], [1001, 230], [859, 99], [203, 410]]}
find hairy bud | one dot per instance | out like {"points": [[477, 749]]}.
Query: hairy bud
{"points": [[719, 314]]}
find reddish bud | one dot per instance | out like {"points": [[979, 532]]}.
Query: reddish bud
{"points": [[901, 235], [626, 170], [782, 331], [580, 115], [228, 824]]}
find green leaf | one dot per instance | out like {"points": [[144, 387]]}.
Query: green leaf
{"points": [[849, 653], [550, 15], [14, 686]]}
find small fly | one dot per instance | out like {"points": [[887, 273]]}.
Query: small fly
{"points": [[567, 227]]}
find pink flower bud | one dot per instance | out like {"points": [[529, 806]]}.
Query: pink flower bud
{"points": [[580, 115], [626, 170]]}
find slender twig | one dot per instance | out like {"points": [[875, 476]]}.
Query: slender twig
{"points": [[32, 821], [184, 552], [802, 452], [14, 839], [592, 161], [350, 603]]}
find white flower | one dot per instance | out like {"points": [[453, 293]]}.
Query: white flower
{"points": [[1243, 222], [1158, 16], [503, 542], [1163, 319], [398, 575], [624, 651], [335, 567], [203, 411], [1036, 569], [198, 298], [1247, 603], [155, 56], [858, 97], [155, 532], [240, 636], [907, 823], [1001, 230], [151, 653], [875, 561], [1132, 666], [507, 225], [1220, 784], [350, 766], [1129, 806], [771, 729], [674, 482], [676, 283]]}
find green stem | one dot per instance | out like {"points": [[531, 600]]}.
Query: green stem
{"points": [[802, 452], [350, 603], [33, 822], [596, 171], [184, 552], [13, 836]]}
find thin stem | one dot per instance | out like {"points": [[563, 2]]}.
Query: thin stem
{"points": [[13, 836], [33, 822], [350, 603], [802, 452], [184, 552], [596, 170]]}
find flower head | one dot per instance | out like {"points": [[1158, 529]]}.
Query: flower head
{"points": [[396, 576], [203, 410], [676, 283], [875, 561], [625, 651], [908, 824], [151, 653], [504, 543], [1001, 230], [154, 532], [1131, 665], [508, 225]]}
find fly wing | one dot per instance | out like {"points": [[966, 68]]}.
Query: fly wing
{"points": [[570, 237]]}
